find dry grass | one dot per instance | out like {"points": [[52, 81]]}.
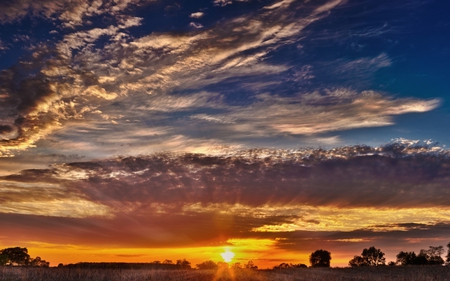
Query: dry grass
{"points": [[425, 273]]}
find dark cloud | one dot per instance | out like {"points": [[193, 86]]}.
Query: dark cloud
{"points": [[168, 199], [146, 230], [156, 230], [409, 239], [382, 177], [5, 129], [397, 175]]}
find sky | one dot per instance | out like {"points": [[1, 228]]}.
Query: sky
{"points": [[142, 130]]}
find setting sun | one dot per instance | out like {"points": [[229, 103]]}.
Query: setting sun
{"points": [[227, 255]]}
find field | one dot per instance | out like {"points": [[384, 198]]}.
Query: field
{"points": [[425, 273]]}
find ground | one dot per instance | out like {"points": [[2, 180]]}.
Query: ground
{"points": [[435, 273]]}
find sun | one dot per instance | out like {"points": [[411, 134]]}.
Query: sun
{"points": [[227, 255]]}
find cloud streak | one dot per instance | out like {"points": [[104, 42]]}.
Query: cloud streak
{"points": [[317, 113]]}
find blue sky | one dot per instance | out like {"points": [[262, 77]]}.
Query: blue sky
{"points": [[88, 83]]}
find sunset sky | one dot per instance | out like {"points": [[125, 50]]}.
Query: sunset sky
{"points": [[142, 130]]}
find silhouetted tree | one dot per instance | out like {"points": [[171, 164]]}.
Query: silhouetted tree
{"points": [[3, 260], [38, 262], [207, 265], [374, 256], [282, 265], [447, 259], [406, 258], [251, 265], [320, 258], [167, 262], [16, 256], [184, 264], [432, 255], [369, 257], [421, 259], [290, 265], [237, 265], [358, 261]]}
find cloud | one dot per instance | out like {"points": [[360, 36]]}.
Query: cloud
{"points": [[195, 25], [209, 118], [72, 13], [325, 8], [37, 106], [363, 68], [235, 48], [197, 15], [411, 237], [279, 4], [396, 175], [6, 129], [317, 112], [108, 76], [223, 3], [342, 196], [69, 11], [40, 103], [76, 78]]}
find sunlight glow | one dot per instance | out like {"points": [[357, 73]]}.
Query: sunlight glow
{"points": [[227, 255]]}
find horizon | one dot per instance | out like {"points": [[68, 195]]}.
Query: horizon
{"points": [[138, 129]]}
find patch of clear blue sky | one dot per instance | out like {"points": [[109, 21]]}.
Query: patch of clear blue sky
{"points": [[413, 37], [19, 37]]}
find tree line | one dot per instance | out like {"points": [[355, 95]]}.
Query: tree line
{"points": [[212, 265], [166, 264], [375, 257], [18, 256]]}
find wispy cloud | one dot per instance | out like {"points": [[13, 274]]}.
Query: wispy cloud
{"points": [[105, 76], [195, 25], [316, 112]]}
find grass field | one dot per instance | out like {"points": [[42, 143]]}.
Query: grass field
{"points": [[425, 273]]}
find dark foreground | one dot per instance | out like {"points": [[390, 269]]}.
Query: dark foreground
{"points": [[425, 273]]}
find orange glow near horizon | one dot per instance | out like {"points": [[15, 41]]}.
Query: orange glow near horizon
{"points": [[261, 251]]}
